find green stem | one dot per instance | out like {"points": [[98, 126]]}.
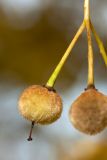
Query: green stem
{"points": [[100, 44], [90, 49], [57, 70]]}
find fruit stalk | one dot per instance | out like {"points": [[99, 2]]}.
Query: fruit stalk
{"points": [[57, 70], [90, 49], [100, 44]]}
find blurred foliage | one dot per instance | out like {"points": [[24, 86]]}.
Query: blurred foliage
{"points": [[33, 53], [85, 151]]}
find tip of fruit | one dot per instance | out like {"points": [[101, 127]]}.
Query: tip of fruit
{"points": [[29, 139], [92, 86], [49, 88]]}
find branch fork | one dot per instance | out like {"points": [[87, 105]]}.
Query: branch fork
{"points": [[89, 28]]}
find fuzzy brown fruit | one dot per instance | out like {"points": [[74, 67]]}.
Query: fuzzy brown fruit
{"points": [[88, 113], [40, 105]]}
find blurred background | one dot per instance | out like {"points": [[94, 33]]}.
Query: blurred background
{"points": [[34, 34]]}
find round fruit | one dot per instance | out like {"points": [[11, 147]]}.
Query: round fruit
{"points": [[40, 104], [88, 113]]}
